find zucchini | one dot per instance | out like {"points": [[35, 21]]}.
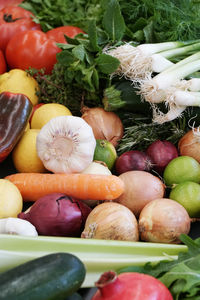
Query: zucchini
{"points": [[53, 276], [123, 96]]}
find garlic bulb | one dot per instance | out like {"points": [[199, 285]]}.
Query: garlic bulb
{"points": [[17, 226], [66, 144], [111, 221]]}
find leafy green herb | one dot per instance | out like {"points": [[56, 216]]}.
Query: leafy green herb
{"points": [[113, 21], [181, 275]]}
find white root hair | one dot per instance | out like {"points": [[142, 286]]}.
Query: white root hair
{"points": [[134, 64], [174, 112]]}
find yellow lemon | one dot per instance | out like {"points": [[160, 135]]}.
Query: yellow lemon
{"points": [[11, 201], [19, 81], [46, 112], [24, 155]]}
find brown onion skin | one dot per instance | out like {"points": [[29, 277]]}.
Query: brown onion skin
{"points": [[132, 160], [105, 125], [161, 153], [162, 221], [189, 144], [141, 187], [57, 215], [111, 221]]}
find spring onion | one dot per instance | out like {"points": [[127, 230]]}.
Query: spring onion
{"points": [[141, 61], [97, 255]]}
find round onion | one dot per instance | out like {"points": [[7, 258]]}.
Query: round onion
{"points": [[141, 187], [161, 153], [57, 215], [189, 144], [105, 125], [162, 221], [111, 221], [132, 160]]}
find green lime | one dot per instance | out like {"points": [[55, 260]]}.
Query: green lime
{"points": [[181, 169], [105, 152], [188, 195]]}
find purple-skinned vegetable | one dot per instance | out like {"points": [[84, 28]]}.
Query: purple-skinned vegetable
{"points": [[161, 153], [57, 215], [133, 160]]}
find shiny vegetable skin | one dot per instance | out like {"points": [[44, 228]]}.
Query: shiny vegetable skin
{"points": [[53, 276], [15, 110]]}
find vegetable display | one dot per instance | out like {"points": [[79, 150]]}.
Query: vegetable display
{"points": [[99, 115]]}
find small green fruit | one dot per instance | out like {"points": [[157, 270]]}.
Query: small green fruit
{"points": [[187, 194], [181, 169], [105, 152]]}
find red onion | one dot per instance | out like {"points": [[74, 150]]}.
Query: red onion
{"points": [[57, 215], [130, 286], [161, 153], [132, 160]]}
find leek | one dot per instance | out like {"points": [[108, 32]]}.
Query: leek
{"points": [[98, 256]]}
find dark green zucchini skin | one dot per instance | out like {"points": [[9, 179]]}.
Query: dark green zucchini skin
{"points": [[122, 96], [50, 277]]}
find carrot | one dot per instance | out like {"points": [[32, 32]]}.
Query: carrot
{"points": [[82, 186]]}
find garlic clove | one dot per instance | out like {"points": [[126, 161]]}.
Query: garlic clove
{"points": [[17, 226], [66, 144]]}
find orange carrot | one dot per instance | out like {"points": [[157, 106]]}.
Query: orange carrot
{"points": [[82, 186]]}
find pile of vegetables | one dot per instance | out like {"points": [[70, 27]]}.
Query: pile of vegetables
{"points": [[116, 157]]}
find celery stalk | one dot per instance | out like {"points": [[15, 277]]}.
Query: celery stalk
{"points": [[98, 256]]}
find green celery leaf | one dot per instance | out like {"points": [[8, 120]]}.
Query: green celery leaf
{"points": [[113, 21], [92, 34], [148, 32], [107, 64], [65, 58], [71, 40], [79, 52], [95, 78]]}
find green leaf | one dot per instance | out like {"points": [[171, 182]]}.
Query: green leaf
{"points": [[79, 52], [92, 34], [95, 78], [113, 21], [65, 58], [73, 41], [107, 64]]}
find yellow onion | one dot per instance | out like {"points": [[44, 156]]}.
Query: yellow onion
{"points": [[105, 125], [111, 221], [162, 221], [189, 144], [141, 187]]}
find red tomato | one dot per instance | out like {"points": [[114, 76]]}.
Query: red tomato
{"points": [[57, 34], [33, 49], [5, 3], [14, 19], [3, 66]]}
